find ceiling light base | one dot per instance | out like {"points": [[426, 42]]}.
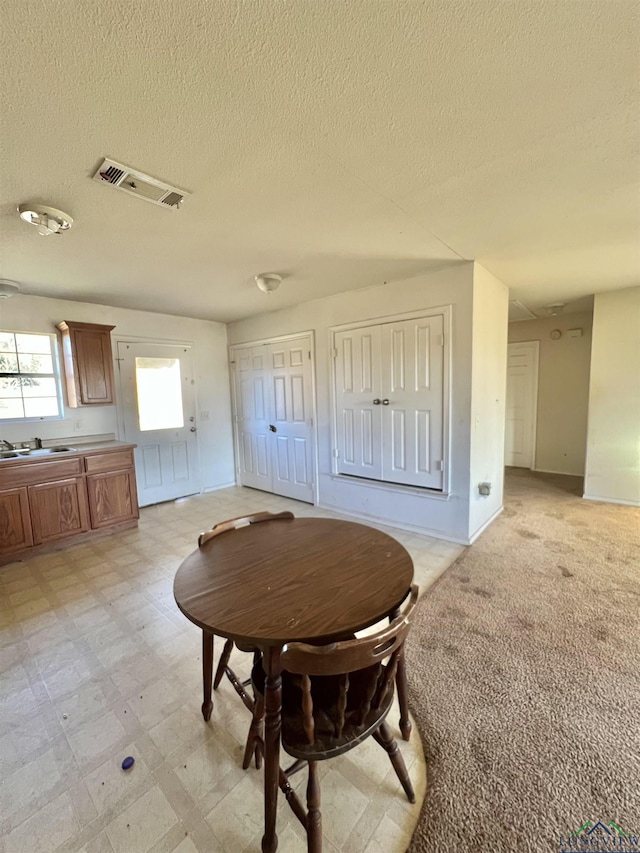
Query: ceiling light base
{"points": [[48, 220], [268, 281], [8, 288]]}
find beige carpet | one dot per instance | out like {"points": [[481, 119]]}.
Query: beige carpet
{"points": [[524, 667]]}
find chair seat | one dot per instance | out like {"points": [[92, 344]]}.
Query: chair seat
{"points": [[325, 690]]}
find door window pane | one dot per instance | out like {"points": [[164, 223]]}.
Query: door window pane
{"points": [[159, 389]]}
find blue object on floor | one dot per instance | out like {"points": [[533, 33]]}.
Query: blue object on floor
{"points": [[128, 763]]}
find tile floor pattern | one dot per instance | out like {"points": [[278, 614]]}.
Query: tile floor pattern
{"points": [[97, 663]]}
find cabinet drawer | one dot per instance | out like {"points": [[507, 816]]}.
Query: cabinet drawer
{"points": [[39, 472], [113, 461]]}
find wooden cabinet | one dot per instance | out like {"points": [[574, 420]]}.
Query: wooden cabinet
{"points": [[111, 487], [58, 509], [46, 502], [88, 363], [15, 521]]}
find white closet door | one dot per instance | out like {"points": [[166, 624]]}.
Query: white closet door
{"points": [[412, 383], [359, 419], [252, 413], [291, 421]]}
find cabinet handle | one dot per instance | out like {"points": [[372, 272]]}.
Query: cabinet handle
{"points": [[385, 402], [376, 402]]}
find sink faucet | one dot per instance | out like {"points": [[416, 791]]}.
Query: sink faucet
{"points": [[38, 442], [7, 444]]}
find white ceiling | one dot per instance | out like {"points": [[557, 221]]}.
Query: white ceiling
{"points": [[339, 144]]}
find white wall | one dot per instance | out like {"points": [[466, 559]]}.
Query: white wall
{"points": [[488, 393], [209, 340], [563, 390], [613, 433], [452, 285]]}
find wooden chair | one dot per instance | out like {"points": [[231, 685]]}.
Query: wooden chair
{"points": [[333, 697], [207, 637]]}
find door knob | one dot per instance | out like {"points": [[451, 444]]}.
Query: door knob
{"points": [[193, 429], [376, 402], [272, 428], [385, 402]]}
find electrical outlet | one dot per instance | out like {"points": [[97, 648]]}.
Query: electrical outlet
{"points": [[204, 416], [78, 425]]}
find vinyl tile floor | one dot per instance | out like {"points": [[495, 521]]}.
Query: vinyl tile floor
{"points": [[97, 663]]}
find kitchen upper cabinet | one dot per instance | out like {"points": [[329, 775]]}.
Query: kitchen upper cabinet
{"points": [[58, 509], [15, 521], [88, 363]]}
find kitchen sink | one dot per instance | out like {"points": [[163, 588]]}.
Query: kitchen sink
{"points": [[42, 451]]}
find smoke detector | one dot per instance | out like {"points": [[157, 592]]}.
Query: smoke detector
{"points": [[48, 220], [8, 288], [137, 183], [268, 281]]}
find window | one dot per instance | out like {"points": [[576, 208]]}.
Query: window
{"points": [[159, 387], [29, 383]]}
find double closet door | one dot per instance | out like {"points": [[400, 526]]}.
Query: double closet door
{"points": [[389, 392], [274, 417]]}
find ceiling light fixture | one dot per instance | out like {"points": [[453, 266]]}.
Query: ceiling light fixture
{"points": [[268, 281], [8, 288], [48, 220], [555, 308]]}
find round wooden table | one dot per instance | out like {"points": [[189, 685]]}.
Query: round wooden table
{"points": [[265, 585]]}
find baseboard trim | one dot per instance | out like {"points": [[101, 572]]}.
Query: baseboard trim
{"points": [[563, 473], [410, 528], [481, 529], [208, 489], [620, 501]]}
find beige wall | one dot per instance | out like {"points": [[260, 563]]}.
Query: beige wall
{"points": [[209, 341], [563, 390], [613, 442], [445, 517], [488, 393]]}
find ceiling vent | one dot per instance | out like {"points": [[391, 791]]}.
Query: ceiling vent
{"points": [[138, 184], [518, 311]]}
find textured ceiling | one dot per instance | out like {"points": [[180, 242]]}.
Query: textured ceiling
{"points": [[338, 144]]}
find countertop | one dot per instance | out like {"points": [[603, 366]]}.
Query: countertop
{"points": [[76, 450]]}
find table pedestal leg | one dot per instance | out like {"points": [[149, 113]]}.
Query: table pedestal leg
{"points": [[272, 725], [207, 674]]}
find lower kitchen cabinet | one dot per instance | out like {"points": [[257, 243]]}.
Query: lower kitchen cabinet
{"points": [[46, 501], [15, 521], [112, 497], [58, 509]]}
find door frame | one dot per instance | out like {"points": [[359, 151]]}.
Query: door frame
{"points": [[447, 313], [234, 407], [138, 339], [535, 389]]}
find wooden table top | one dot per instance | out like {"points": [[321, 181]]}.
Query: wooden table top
{"points": [[293, 579]]}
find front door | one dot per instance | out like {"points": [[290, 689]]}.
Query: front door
{"points": [[157, 392], [274, 422], [521, 406]]}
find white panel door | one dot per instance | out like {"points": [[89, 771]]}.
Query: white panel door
{"points": [[274, 417], [522, 395], [291, 424], [156, 386], [252, 416], [358, 402], [412, 405]]}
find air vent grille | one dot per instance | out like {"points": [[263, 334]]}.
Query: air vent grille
{"points": [[519, 311], [172, 199], [137, 183]]}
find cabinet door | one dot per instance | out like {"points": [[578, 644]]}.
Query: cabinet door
{"points": [[95, 371], [15, 523], [412, 383], [112, 497], [358, 402], [58, 509]]}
